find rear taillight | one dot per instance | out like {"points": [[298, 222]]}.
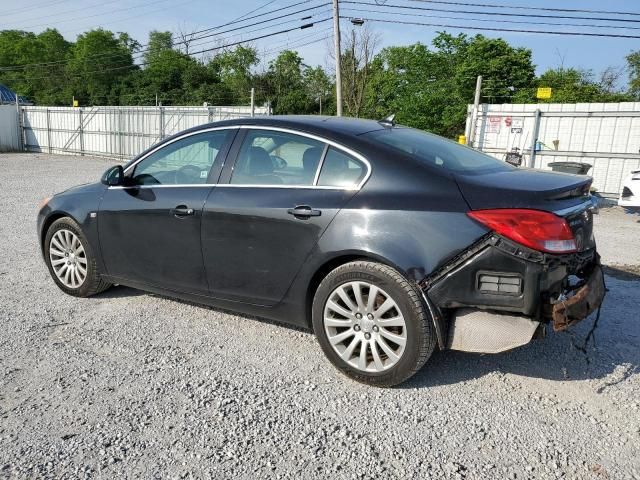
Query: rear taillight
{"points": [[543, 231]]}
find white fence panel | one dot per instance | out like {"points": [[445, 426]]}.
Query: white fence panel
{"points": [[605, 135], [120, 132], [9, 130]]}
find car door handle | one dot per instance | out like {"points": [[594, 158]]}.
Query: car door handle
{"points": [[182, 211], [304, 211]]}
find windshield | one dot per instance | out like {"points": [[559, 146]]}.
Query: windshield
{"points": [[437, 151]]}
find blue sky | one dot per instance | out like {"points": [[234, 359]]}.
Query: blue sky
{"points": [[138, 17]]}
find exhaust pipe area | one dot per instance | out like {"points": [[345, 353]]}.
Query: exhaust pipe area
{"points": [[481, 331]]}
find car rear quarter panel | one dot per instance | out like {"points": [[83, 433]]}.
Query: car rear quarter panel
{"points": [[407, 218]]}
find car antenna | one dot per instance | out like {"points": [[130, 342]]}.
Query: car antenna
{"points": [[389, 121]]}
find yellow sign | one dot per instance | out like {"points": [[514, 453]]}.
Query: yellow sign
{"points": [[462, 139], [76, 103], [543, 93]]}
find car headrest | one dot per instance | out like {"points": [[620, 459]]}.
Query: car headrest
{"points": [[311, 158], [259, 162]]}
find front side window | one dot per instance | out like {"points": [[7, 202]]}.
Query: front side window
{"points": [[341, 170], [185, 161], [277, 158]]}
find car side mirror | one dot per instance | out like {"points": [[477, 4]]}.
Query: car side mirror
{"points": [[114, 176]]}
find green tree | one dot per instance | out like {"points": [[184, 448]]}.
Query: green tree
{"points": [[569, 85], [633, 65], [287, 90], [45, 54], [98, 66], [430, 88], [176, 78], [159, 42], [234, 68], [318, 87]]}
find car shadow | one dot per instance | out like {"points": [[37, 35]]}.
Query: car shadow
{"points": [[623, 272], [612, 357], [120, 291]]}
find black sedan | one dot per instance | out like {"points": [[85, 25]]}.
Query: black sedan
{"points": [[386, 241]]}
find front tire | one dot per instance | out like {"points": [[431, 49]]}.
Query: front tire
{"points": [[372, 324], [71, 261]]}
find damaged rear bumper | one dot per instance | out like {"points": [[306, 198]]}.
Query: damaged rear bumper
{"points": [[497, 295], [583, 300]]}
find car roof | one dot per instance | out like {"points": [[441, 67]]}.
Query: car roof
{"points": [[312, 123], [339, 129]]}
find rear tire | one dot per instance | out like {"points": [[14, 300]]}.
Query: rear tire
{"points": [[372, 323], [71, 259]]}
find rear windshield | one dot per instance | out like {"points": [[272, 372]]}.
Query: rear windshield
{"points": [[437, 151]]}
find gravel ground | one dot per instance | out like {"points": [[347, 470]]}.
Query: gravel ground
{"points": [[127, 384]]}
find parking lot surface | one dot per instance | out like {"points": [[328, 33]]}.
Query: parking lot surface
{"points": [[132, 384]]}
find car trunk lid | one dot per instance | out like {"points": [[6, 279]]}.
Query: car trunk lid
{"points": [[563, 194]]}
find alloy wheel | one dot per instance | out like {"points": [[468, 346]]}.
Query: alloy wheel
{"points": [[365, 326], [68, 258]]}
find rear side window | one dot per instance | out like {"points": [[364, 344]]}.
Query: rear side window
{"points": [[277, 158], [340, 170], [438, 152]]}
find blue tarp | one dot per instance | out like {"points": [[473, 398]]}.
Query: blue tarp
{"points": [[6, 95]]}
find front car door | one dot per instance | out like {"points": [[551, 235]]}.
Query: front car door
{"points": [[150, 229], [270, 208]]}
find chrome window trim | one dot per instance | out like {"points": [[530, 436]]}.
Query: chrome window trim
{"points": [[320, 164], [177, 185], [228, 185], [327, 143]]}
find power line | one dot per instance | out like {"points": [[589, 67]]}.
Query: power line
{"points": [[124, 67], [520, 22], [266, 13], [476, 12], [254, 24], [295, 42], [64, 12], [286, 22], [495, 29], [217, 27], [33, 7], [264, 36], [153, 2], [522, 7], [255, 10]]}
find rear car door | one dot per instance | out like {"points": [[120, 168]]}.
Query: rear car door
{"points": [[150, 229], [271, 207]]}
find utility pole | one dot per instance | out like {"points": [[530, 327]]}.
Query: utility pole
{"points": [[19, 123], [474, 113], [336, 44], [253, 102], [354, 73]]}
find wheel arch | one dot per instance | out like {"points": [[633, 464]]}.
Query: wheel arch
{"points": [[331, 264], [48, 221]]}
